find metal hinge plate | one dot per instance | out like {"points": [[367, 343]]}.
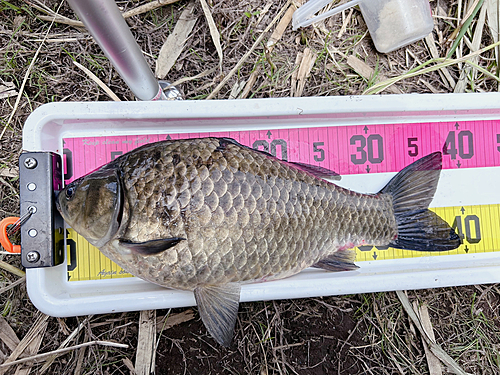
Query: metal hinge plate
{"points": [[42, 236]]}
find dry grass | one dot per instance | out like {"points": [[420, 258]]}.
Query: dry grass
{"points": [[359, 334]]}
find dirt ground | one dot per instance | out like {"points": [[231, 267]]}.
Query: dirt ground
{"points": [[354, 334]]}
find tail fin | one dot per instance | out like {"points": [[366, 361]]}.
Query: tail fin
{"points": [[412, 191]]}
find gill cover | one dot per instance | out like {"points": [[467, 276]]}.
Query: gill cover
{"points": [[93, 205]]}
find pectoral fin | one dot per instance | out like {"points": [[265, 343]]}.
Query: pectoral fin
{"points": [[342, 260], [151, 247], [218, 307]]}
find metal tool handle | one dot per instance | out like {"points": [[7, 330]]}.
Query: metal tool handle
{"points": [[103, 20]]}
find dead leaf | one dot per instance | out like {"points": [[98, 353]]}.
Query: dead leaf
{"points": [[493, 11], [366, 71], [280, 29], [213, 30], [432, 360], [431, 44], [295, 72], [7, 334], [36, 330], [175, 42], [463, 81], [31, 349], [146, 343], [173, 320], [128, 363], [237, 87], [9, 172], [308, 60], [18, 21], [7, 90]]}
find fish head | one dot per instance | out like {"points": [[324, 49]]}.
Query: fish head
{"points": [[92, 205]]}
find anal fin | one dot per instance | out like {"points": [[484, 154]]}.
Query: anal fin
{"points": [[218, 308], [342, 260]]}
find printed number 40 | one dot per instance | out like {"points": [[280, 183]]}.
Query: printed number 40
{"points": [[465, 145], [470, 221]]}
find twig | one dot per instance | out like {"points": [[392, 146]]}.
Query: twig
{"points": [[129, 13], [288, 346], [13, 285], [249, 52], [147, 7], [96, 79], [65, 343], [61, 19], [64, 350], [7, 267], [273, 40], [187, 79]]}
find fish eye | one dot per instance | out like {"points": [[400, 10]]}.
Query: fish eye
{"points": [[70, 192]]}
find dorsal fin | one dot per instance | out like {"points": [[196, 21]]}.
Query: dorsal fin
{"points": [[317, 170], [313, 169]]}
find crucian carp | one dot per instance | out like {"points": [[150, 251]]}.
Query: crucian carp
{"points": [[209, 214]]}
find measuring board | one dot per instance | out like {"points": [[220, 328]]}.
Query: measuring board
{"points": [[367, 140], [347, 150]]}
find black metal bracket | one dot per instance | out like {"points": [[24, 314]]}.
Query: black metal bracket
{"points": [[42, 235]]}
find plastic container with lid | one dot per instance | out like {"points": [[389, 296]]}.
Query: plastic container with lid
{"points": [[392, 23]]}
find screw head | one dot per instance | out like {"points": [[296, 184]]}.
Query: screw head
{"points": [[33, 256], [30, 163]]}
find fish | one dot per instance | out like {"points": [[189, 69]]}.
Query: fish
{"points": [[208, 215]]}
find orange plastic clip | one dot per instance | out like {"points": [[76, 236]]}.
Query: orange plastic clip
{"points": [[4, 239]]}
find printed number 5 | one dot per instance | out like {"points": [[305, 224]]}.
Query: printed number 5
{"points": [[321, 156], [412, 144]]}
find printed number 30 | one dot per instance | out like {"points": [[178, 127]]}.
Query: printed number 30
{"points": [[361, 155]]}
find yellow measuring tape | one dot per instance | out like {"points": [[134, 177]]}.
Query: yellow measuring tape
{"points": [[479, 227]]}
